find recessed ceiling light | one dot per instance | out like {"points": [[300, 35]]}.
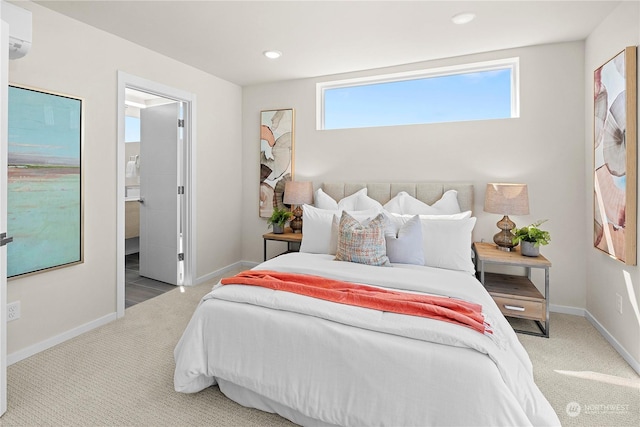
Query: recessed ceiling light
{"points": [[463, 18], [272, 54]]}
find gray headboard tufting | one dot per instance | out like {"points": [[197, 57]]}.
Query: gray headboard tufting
{"points": [[427, 192]]}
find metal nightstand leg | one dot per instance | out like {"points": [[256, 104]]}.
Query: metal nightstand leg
{"points": [[546, 297], [544, 330]]}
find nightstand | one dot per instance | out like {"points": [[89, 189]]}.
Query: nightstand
{"points": [[516, 296], [288, 236]]}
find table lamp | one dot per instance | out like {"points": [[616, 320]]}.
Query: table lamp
{"points": [[506, 199], [297, 193]]}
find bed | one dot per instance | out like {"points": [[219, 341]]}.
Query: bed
{"points": [[321, 363]]}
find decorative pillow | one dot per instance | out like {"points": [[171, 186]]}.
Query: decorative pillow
{"points": [[405, 204], [447, 243], [358, 201], [320, 228], [363, 217], [405, 247], [446, 239], [362, 243]]}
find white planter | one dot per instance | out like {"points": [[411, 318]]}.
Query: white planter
{"points": [[529, 249]]}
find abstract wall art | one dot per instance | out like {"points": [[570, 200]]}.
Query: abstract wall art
{"points": [[276, 157], [44, 197], [615, 156]]}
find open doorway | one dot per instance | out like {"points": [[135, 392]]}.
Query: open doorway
{"points": [[143, 125], [155, 186]]}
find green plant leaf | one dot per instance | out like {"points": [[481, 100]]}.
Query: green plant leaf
{"points": [[531, 233]]}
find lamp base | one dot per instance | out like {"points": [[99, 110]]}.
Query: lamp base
{"points": [[504, 238], [296, 222]]}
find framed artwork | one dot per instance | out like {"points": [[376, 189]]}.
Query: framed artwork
{"points": [[276, 157], [615, 156], [44, 197]]}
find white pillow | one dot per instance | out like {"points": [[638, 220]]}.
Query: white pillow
{"points": [[405, 247], [316, 230], [447, 243], [405, 204], [322, 200], [446, 239], [320, 228], [358, 201], [396, 220]]}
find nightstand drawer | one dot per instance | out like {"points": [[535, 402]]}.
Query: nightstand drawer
{"points": [[533, 310], [516, 296]]}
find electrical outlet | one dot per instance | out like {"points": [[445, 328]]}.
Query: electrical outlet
{"points": [[13, 311], [619, 303]]}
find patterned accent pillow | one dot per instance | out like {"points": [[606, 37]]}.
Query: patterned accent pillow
{"points": [[362, 243]]}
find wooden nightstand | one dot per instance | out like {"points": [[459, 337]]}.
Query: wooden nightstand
{"points": [[288, 236], [516, 296]]}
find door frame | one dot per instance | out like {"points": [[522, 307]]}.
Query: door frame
{"points": [[126, 80]]}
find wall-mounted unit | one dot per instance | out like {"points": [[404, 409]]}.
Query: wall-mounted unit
{"points": [[19, 21]]}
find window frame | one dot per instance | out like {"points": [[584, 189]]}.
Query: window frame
{"points": [[512, 64]]}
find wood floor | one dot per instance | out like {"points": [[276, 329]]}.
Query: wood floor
{"points": [[137, 288]]}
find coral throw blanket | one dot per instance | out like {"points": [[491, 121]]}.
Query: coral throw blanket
{"points": [[441, 308]]}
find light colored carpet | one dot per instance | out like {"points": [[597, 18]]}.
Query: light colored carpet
{"points": [[122, 374], [586, 381]]}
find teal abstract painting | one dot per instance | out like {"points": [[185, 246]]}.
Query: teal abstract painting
{"points": [[44, 198]]}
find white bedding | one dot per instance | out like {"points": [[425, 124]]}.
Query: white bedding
{"points": [[345, 365]]}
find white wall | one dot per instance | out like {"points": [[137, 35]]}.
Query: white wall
{"points": [[73, 58], [607, 277], [543, 148]]}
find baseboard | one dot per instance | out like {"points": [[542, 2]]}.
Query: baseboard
{"points": [[224, 270], [72, 333], [58, 339], [564, 309], [603, 331], [614, 342]]}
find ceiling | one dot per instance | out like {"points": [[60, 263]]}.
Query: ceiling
{"points": [[227, 38]]}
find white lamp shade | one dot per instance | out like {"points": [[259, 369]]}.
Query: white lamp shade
{"points": [[298, 193], [507, 199]]}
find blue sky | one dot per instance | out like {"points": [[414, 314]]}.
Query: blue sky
{"points": [[471, 96]]}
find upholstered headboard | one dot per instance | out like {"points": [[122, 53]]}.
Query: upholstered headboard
{"points": [[427, 192]]}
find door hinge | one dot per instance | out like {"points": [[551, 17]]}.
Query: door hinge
{"points": [[181, 257], [4, 239], [180, 123], [181, 189]]}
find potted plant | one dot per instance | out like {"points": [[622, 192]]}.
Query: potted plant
{"points": [[278, 219], [531, 237]]}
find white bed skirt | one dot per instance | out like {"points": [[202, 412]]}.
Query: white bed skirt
{"points": [[251, 399]]}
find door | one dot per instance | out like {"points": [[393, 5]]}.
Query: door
{"points": [[159, 193], [4, 84]]}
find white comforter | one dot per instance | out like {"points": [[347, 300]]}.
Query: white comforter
{"points": [[346, 365]]}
